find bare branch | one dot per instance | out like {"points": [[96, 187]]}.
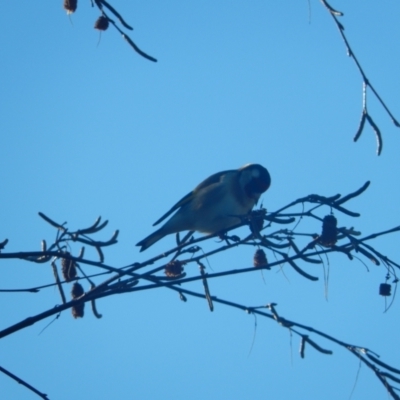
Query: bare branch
{"points": [[366, 84], [22, 382], [138, 276]]}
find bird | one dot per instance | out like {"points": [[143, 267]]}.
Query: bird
{"points": [[215, 205]]}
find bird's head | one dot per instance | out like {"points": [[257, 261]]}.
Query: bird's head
{"points": [[255, 180]]}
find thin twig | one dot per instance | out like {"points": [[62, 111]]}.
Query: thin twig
{"points": [[366, 84], [23, 383]]}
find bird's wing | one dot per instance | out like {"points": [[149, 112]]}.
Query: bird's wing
{"points": [[211, 180], [179, 204]]}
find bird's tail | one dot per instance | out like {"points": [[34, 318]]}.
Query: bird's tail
{"points": [[151, 239]]}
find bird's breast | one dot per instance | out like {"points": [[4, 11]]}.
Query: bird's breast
{"points": [[221, 215]]}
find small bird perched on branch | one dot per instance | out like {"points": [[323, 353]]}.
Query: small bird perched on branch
{"points": [[216, 204]]}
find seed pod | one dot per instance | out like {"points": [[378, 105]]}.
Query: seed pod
{"points": [[3, 244], [260, 259], [101, 23], [70, 6], [173, 269], [68, 269], [328, 236], [302, 346], [182, 297], [384, 289], [76, 292], [257, 220]]}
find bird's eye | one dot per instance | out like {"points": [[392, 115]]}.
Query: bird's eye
{"points": [[255, 173]]}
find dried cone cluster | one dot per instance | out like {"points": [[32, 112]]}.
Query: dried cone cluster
{"points": [[260, 259], [174, 269], [70, 6], [384, 289], [257, 220], [101, 23], [76, 292], [68, 269], [328, 236]]}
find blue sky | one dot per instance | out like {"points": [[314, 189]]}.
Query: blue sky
{"points": [[93, 129]]}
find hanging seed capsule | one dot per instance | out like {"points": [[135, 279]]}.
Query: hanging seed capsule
{"points": [[328, 236], [173, 269], [68, 269], [260, 259], [302, 346], [257, 220], [70, 6], [3, 244], [76, 292], [384, 289], [101, 23]]}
